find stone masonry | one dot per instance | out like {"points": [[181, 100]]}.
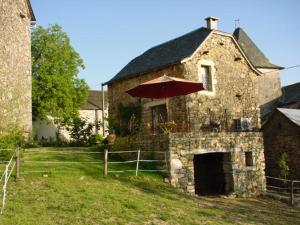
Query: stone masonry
{"points": [[15, 64], [234, 95]]}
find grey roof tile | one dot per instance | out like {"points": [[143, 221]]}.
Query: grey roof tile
{"points": [[291, 93], [292, 114], [160, 56], [256, 57], [94, 100]]}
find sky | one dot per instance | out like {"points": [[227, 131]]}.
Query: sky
{"points": [[109, 33]]}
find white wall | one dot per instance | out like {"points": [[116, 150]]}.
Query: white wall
{"points": [[48, 130]]}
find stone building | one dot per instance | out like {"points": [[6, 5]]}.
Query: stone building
{"points": [[91, 112], [282, 135], [269, 79], [216, 146], [15, 63]]}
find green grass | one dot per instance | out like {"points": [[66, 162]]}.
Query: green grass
{"points": [[79, 194]]}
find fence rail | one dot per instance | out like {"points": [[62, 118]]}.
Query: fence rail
{"points": [[137, 161], [284, 187], [9, 168]]}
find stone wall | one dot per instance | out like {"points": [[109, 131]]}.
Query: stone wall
{"points": [[247, 180], [235, 86], [269, 91], [15, 64], [281, 135]]}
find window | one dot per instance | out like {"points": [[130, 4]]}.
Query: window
{"points": [[206, 77], [249, 158], [158, 115], [237, 124], [243, 124]]}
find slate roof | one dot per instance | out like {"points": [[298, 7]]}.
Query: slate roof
{"points": [[175, 50], [166, 54], [292, 114], [95, 100], [291, 93], [256, 57]]}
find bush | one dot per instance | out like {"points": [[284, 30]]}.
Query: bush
{"points": [[283, 165], [10, 138], [95, 139], [80, 131]]}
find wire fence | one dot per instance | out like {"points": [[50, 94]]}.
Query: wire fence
{"points": [[53, 160], [6, 174], [114, 162], [284, 187], [137, 162]]}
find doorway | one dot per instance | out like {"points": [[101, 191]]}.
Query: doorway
{"points": [[209, 175]]}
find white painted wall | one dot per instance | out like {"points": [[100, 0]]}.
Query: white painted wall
{"points": [[48, 130]]}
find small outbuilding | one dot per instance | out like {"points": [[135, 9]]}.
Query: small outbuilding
{"points": [[282, 135]]}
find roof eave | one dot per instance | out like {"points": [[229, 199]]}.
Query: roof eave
{"points": [[32, 16], [270, 67]]}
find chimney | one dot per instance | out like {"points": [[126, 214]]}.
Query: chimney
{"points": [[212, 23]]}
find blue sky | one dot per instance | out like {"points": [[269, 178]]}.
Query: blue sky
{"points": [[109, 33]]}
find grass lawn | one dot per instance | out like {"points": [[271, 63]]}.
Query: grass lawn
{"points": [[77, 193]]}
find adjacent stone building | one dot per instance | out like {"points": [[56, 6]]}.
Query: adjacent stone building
{"points": [[269, 79], [15, 63], [282, 135], [216, 146], [91, 112]]}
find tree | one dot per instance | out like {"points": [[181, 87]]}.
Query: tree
{"points": [[56, 89]]}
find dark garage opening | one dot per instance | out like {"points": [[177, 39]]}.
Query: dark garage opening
{"points": [[210, 178]]}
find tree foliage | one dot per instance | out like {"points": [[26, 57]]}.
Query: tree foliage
{"points": [[56, 89], [283, 165]]}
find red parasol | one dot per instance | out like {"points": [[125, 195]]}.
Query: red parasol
{"points": [[164, 87]]}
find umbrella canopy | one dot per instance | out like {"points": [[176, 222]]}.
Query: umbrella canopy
{"points": [[164, 87]]}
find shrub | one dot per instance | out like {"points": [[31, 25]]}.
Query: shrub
{"points": [[283, 165], [80, 131], [10, 138], [95, 139]]}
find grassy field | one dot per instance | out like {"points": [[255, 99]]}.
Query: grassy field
{"points": [[77, 193]]}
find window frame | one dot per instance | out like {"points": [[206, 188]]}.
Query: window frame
{"points": [[249, 159], [211, 69]]}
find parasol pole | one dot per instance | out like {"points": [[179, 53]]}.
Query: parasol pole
{"points": [[103, 123], [188, 114]]}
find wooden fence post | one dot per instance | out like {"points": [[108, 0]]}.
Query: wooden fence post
{"points": [[17, 163], [292, 192], [105, 160], [137, 163]]}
